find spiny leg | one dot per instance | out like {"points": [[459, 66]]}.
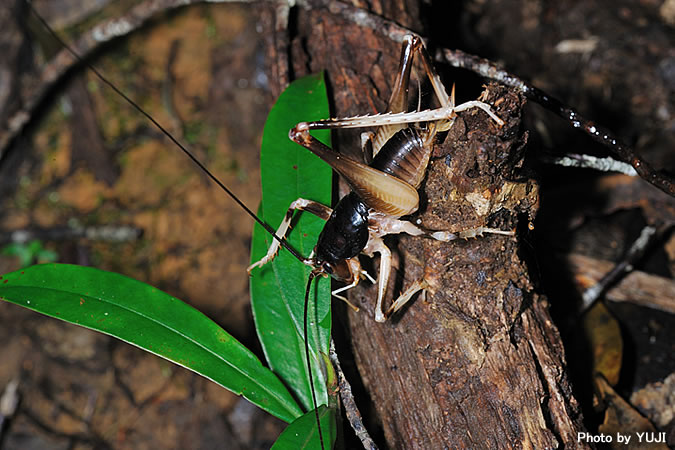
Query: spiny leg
{"points": [[413, 45], [319, 210], [385, 225], [446, 236], [390, 122], [396, 115], [379, 120], [419, 285], [398, 102]]}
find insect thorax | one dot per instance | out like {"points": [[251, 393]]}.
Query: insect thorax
{"points": [[346, 231]]}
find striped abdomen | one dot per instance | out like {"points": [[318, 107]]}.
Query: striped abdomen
{"points": [[404, 156]]}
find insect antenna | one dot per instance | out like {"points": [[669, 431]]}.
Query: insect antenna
{"points": [[164, 131], [313, 274]]}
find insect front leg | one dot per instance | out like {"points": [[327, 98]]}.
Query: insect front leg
{"points": [[319, 210], [355, 272]]}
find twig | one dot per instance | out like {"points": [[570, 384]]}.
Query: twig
{"points": [[351, 410], [592, 162], [365, 19], [488, 69], [637, 287], [635, 252], [277, 46], [9, 401]]}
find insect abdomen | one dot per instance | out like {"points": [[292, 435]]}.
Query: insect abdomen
{"points": [[404, 156]]}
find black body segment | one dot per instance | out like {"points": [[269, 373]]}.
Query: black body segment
{"points": [[346, 232]]}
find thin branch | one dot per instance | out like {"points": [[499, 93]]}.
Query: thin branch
{"points": [[347, 397], [9, 401], [637, 287], [592, 162], [277, 45], [365, 19], [488, 69], [635, 252]]}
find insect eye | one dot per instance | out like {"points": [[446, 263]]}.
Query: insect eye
{"points": [[328, 268]]}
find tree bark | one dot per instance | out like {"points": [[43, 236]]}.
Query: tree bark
{"points": [[478, 363]]}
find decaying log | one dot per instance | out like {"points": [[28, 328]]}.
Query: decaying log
{"points": [[478, 363]]}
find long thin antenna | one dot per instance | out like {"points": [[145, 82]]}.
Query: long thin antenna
{"points": [[268, 228], [312, 275]]}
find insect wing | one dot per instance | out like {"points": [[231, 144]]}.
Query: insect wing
{"points": [[378, 190]]}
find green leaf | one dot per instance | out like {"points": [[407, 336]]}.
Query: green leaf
{"points": [[152, 320], [288, 172], [303, 432]]}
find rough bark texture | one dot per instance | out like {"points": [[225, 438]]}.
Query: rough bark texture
{"points": [[478, 363]]}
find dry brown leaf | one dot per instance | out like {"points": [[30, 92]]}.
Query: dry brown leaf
{"points": [[604, 336]]}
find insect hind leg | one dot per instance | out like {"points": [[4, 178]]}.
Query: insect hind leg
{"points": [[398, 102], [414, 46], [301, 204]]}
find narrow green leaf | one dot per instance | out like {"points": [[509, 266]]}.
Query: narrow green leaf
{"points": [[290, 171], [303, 432], [152, 320]]}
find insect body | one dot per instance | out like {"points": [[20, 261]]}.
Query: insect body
{"points": [[384, 190]]}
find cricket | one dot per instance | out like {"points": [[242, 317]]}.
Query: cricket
{"points": [[302, 381]]}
